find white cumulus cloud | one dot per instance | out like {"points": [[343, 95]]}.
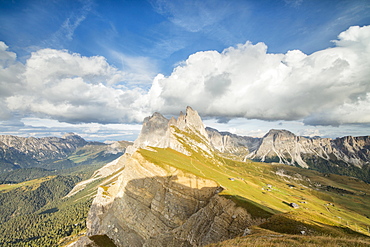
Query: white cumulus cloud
{"points": [[328, 87], [67, 87], [331, 86]]}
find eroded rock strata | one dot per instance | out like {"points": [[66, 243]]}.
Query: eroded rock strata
{"points": [[146, 204], [148, 207]]}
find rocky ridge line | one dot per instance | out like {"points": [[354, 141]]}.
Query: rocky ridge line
{"points": [[284, 147], [22, 152], [143, 204], [226, 142], [158, 131]]}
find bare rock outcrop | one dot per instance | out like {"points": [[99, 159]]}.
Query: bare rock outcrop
{"points": [[353, 150], [46, 147], [148, 205], [226, 142], [155, 132], [143, 203], [345, 156], [183, 135]]}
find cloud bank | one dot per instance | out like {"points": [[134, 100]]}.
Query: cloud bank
{"points": [[66, 87], [328, 87]]}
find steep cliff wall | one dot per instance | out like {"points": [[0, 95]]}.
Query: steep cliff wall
{"points": [[226, 142], [353, 150], [149, 205], [345, 156], [284, 147]]}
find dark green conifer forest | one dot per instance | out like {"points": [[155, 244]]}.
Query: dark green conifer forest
{"points": [[34, 209]]}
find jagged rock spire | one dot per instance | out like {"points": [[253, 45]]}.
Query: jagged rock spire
{"points": [[191, 120], [157, 131], [153, 132]]}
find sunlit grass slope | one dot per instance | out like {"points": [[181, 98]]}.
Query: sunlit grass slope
{"points": [[328, 204], [262, 238], [27, 185]]}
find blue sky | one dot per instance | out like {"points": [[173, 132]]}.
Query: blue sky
{"points": [[167, 32], [98, 67]]}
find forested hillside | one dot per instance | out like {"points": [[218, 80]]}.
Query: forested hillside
{"points": [[34, 209], [42, 217]]}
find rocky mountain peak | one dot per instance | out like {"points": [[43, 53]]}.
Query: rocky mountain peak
{"points": [[284, 147], [155, 123], [69, 135], [279, 133], [74, 138], [227, 142], [191, 120], [147, 204], [158, 131], [318, 153], [153, 132]]}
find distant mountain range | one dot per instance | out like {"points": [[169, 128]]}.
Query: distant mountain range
{"points": [[48, 152], [346, 155], [21, 152]]}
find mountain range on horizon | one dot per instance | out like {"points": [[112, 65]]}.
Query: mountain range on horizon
{"points": [[345, 155]]}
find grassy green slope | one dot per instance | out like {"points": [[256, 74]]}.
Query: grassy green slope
{"points": [[261, 237], [328, 204], [332, 205]]}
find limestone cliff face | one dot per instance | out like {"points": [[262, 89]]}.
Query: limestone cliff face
{"points": [[148, 205], [226, 142], [42, 148], [353, 150], [285, 147], [155, 132]]}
